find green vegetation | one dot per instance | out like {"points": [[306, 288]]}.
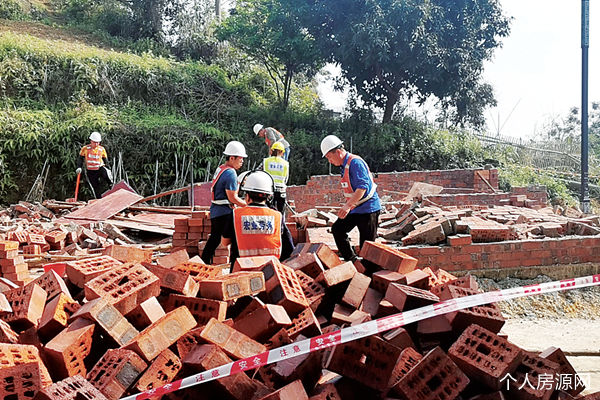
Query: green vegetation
{"points": [[167, 91]]}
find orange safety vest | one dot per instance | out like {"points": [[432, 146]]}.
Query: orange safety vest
{"points": [[257, 231], [216, 177], [93, 157], [281, 137], [347, 187]]}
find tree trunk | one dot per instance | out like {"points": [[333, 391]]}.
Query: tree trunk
{"points": [[388, 112]]}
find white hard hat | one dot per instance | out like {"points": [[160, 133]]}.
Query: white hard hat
{"points": [[259, 182], [95, 137], [235, 148], [257, 128], [329, 143]]}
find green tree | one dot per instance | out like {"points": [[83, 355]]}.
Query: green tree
{"points": [[270, 32], [413, 48]]}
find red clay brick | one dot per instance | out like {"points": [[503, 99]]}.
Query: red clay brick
{"points": [[343, 315], [371, 360], [338, 274], [313, 290], [116, 371], [202, 309], [125, 286], [27, 304], [293, 391], [305, 323], [238, 386], [387, 257], [251, 264], [55, 316], [109, 319], [263, 322], [407, 298], [67, 350], [146, 313], [161, 371], [556, 355], [128, 254], [485, 356], [175, 280], [7, 335], [150, 342], [173, 259], [52, 283], [533, 368], [283, 288], [72, 388], [234, 343], [308, 263], [382, 279], [233, 286], [305, 368], [82, 271], [356, 291]]}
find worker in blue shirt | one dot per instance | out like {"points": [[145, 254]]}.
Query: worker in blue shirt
{"points": [[362, 205], [225, 197]]}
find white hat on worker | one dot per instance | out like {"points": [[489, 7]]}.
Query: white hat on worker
{"points": [[235, 148], [257, 128], [258, 182], [95, 137], [329, 143]]}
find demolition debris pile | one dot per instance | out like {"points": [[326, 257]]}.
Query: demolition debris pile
{"points": [[101, 304]]}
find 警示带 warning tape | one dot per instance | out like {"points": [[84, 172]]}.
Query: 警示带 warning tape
{"points": [[367, 329]]}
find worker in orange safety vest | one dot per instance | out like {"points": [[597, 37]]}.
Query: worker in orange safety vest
{"points": [[94, 156], [257, 227]]}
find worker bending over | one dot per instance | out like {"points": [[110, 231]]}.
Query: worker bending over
{"points": [[272, 136], [362, 205], [95, 158], [225, 197], [258, 227]]}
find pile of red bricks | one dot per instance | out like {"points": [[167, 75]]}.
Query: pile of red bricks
{"points": [[130, 321], [189, 231], [432, 225]]}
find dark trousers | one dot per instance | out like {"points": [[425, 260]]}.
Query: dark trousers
{"points": [[279, 203], [367, 228], [220, 227], [94, 177]]}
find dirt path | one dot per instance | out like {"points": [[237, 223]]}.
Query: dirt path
{"points": [[578, 338]]}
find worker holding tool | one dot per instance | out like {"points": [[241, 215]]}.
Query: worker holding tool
{"points": [[258, 227], [225, 197], [279, 169], [272, 136], [362, 205], [95, 158]]}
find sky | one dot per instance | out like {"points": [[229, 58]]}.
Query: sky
{"points": [[536, 74]]}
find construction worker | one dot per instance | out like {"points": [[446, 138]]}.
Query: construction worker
{"points": [[225, 197], [271, 136], [258, 227], [362, 205], [95, 158], [279, 169]]}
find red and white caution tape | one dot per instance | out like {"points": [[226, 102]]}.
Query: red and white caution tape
{"points": [[367, 329]]}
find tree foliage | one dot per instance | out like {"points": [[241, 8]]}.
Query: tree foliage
{"points": [[414, 48], [270, 31]]}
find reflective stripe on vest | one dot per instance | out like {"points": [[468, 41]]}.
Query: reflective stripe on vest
{"points": [[257, 231], [93, 157], [348, 191], [278, 168], [216, 176]]}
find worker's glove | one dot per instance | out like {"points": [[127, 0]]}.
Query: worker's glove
{"points": [[78, 171]]}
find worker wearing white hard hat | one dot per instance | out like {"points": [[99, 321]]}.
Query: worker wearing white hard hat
{"points": [[272, 136], [362, 206], [225, 197], [95, 157], [258, 227]]}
